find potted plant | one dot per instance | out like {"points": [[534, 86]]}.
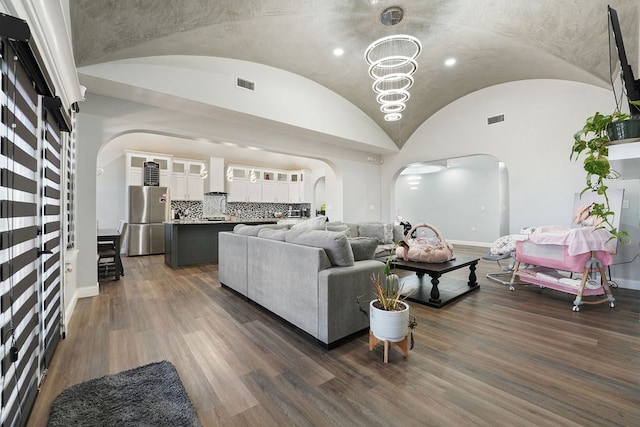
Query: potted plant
{"points": [[593, 140], [389, 319], [388, 312]]}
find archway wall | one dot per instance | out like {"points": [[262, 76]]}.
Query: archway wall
{"points": [[534, 143], [102, 119], [280, 96]]}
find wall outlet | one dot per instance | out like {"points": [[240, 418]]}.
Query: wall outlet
{"points": [[625, 204]]}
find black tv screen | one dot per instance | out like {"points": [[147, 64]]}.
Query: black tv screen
{"points": [[631, 85]]}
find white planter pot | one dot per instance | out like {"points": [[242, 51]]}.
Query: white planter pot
{"points": [[389, 325]]}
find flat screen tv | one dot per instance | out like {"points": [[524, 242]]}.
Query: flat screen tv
{"points": [[631, 85]]}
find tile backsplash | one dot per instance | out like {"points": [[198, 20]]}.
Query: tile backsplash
{"points": [[240, 210], [191, 209]]}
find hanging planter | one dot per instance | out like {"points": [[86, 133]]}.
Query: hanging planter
{"points": [[624, 131]]}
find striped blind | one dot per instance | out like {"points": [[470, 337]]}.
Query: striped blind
{"points": [[19, 224], [51, 153], [31, 181]]}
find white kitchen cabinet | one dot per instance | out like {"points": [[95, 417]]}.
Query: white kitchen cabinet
{"points": [[244, 191], [275, 192], [135, 167], [186, 180], [244, 184], [275, 187], [247, 184], [297, 193]]}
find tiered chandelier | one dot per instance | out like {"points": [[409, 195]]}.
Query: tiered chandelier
{"points": [[392, 63]]}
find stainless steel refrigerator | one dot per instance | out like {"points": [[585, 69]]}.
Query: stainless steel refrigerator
{"points": [[148, 208]]}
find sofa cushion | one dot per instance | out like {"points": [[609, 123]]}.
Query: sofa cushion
{"points": [[363, 247], [398, 233], [335, 244], [381, 231], [317, 223], [272, 233], [342, 228]]}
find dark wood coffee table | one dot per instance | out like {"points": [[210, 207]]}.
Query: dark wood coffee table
{"points": [[438, 294]]}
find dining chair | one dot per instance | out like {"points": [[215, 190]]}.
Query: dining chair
{"points": [[109, 261]]}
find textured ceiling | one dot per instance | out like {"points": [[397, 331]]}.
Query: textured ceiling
{"points": [[493, 41]]}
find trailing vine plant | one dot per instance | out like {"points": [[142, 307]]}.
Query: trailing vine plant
{"points": [[593, 141]]}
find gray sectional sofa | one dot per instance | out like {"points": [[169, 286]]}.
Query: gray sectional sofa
{"points": [[307, 275]]}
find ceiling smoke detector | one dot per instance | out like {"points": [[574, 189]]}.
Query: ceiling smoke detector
{"points": [[392, 15]]}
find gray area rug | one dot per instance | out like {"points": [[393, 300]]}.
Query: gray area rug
{"points": [[150, 395]]}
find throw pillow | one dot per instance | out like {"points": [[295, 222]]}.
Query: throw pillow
{"points": [[317, 223], [387, 233], [335, 244], [398, 233], [363, 247], [372, 230]]}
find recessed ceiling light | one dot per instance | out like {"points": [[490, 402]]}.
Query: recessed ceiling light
{"points": [[450, 62], [338, 51], [230, 144], [251, 147]]}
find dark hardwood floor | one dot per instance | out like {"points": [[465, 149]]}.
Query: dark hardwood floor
{"points": [[495, 357]]}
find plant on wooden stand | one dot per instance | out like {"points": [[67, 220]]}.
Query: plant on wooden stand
{"points": [[389, 318], [593, 141], [388, 290]]}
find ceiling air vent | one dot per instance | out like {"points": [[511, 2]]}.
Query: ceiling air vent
{"points": [[495, 119], [245, 84]]}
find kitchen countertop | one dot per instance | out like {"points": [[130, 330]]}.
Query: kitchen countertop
{"points": [[232, 221]]}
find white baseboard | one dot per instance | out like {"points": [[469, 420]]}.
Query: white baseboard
{"points": [[627, 283], [469, 243], [84, 292]]}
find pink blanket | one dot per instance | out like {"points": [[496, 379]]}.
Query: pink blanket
{"points": [[578, 240]]}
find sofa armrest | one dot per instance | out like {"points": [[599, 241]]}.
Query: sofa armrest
{"points": [[283, 278], [338, 288], [232, 261]]}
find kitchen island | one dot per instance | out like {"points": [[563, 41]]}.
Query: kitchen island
{"points": [[189, 242]]}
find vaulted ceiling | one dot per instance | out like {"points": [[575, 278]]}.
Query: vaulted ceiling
{"points": [[493, 41]]}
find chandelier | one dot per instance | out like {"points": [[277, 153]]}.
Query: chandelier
{"points": [[392, 63]]}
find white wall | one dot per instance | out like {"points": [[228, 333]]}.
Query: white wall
{"points": [[89, 134], [534, 142], [111, 193], [462, 200], [627, 273]]}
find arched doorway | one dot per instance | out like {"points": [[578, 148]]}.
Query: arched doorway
{"points": [[466, 198]]}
